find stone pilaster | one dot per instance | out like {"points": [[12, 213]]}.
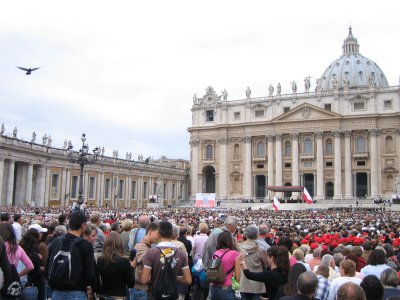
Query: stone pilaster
{"points": [[348, 192], [10, 183], [223, 166], [29, 184], [278, 162], [270, 139], [374, 162], [247, 167], [194, 145], [1, 180], [338, 166], [295, 161], [320, 166]]}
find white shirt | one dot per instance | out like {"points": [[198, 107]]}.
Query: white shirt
{"points": [[18, 231]]}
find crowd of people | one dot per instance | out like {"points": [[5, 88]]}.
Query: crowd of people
{"points": [[175, 253]]}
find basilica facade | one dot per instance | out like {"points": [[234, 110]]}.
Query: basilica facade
{"points": [[40, 175], [339, 139]]}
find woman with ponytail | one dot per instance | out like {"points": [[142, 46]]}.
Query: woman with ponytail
{"points": [[277, 273]]}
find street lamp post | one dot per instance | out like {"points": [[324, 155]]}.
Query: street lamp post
{"points": [[82, 157]]}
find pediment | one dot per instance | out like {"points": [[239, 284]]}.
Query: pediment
{"points": [[307, 111]]}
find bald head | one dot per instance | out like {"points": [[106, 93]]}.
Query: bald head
{"points": [[144, 221], [350, 291]]}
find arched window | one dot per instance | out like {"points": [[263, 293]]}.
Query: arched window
{"points": [[360, 144], [328, 146], [308, 146], [236, 151], [389, 144], [288, 149], [209, 152], [260, 149]]}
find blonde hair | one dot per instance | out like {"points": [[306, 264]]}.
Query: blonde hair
{"points": [[127, 225], [203, 227], [112, 247]]}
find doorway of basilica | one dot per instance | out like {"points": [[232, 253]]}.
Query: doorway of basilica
{"points": [[361, 185], [309, 183], [260, 186], [209, 179]]}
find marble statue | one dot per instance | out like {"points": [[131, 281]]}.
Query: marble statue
{"points": [[102, 151], [159, 186], [49, 140], [334, 82], [270, 90], [2, 129], [294, 86], [278, 89], [44, 139], [15, 132], [346, 83], [194, 98], [224, 95], [69, 144], [248, 93], [397, 185], [65, 144], [307, 83], [33, 137]]}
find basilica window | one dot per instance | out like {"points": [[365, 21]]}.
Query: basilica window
{"points": [[209, 116], [145, 190], [236, 115], [308, 146], [387, 104], [121, 189], [360, 144], [209, 152], [92, 182], [173, 191], [74, 187], [260, 149], [107, 186], [133, 191], [286, 109], [259, 113], [288, 149], [236, 151], [389, 144], [359, 105], [55, 186], [329, 147], [328, 107]]}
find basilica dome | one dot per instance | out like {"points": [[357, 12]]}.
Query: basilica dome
{"points": [[352, 70]]}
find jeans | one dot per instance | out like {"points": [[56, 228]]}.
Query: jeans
{"points": [[136, 294], [250, 296], [69, 295], [29, 293], [222, 292]]}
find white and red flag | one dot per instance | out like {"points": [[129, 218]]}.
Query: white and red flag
{"points": [[276, 204], [307, 197]]}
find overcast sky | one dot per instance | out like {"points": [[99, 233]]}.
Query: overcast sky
{"points": [[124, 72]]}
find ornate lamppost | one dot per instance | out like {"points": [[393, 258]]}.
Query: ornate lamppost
{"points": [[82, 157]]}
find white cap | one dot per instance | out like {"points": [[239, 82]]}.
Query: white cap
{"points": [[38, 228]]}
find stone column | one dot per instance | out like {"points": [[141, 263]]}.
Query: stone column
{"points": [[1, 180], [320, 167], [99, 194], [63, 187], [126, 190], [86, 186], [338, 166], [348, 191], [28, 189], [247, 167], [67, 187], [10, 183], [278, 162], [223, 165], [374, 163], [194, 145], [295, 162], [270, 160], [140, 192], [40, 186], [47, 187]]}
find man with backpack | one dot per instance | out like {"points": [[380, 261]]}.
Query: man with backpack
{"points": [[162, 264], [137, 234], [70, 267]]}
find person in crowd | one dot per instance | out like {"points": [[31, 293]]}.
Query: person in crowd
{"points": [[77, 222], [115, 270], [154, 259], [141, 291], [137, 234], [199, 241], [367, 249], [42, 246], [372, 287], [290, 288], [183, 239], [230, 265], [350, 291], [278, 260], [5, 217], [390, 281], [347, 274], [127, 226], [306, 287], [62, 220], [116, 227], [298, 254], [17, 225], [15, 253], [339, 257], [354, 258], [256, 261], [323, 283], [4, 263], [263, 231], [95, 218], [288, 243], [231, 225], [376, 263], [329, 261], [29, 243], [316, 258], [357, 250], [90, 233]]}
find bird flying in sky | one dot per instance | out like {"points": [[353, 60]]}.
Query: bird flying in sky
{"points": [[28, 70]]}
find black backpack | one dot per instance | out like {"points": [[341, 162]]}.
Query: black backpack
{"points": [[167, 286], [65, 266]]}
